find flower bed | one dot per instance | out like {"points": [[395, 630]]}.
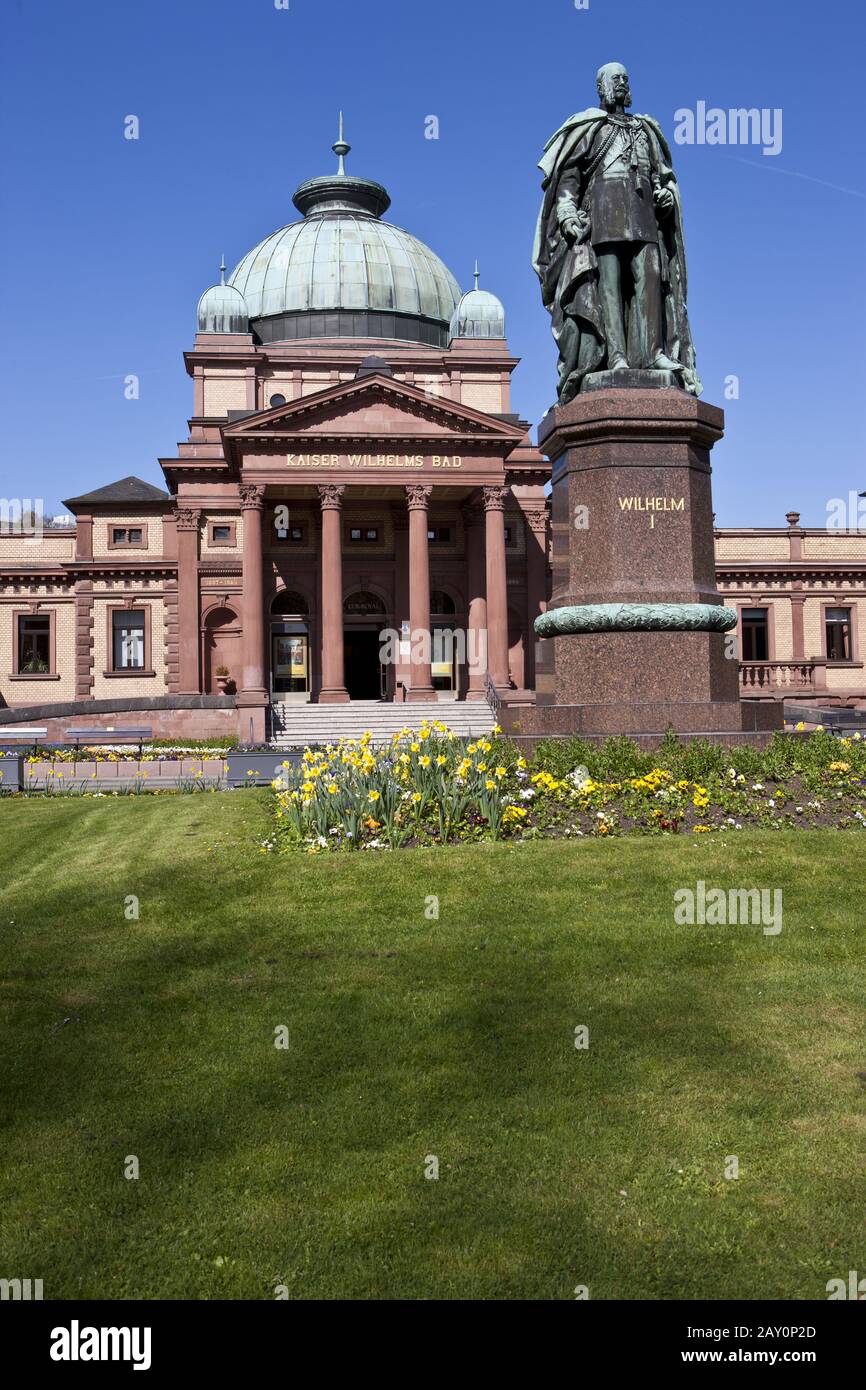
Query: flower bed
{"points": [[430, 787], [127, 752]]}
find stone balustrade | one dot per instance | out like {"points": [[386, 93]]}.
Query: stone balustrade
{"points": [[771, 677]]}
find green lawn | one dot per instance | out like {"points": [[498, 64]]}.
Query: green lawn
{"points": [[411, 1037]]}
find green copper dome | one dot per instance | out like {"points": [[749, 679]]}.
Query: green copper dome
{"points": [[222, 309], [479, 314], [343, 272]]}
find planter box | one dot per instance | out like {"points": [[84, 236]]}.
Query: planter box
{"points": [[256, 769], [211, 769], [12, 773]]}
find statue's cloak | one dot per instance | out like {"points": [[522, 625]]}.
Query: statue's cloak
{"points": [[568, 274]]}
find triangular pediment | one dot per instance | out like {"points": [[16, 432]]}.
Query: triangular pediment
{"points": [[373, 406]]}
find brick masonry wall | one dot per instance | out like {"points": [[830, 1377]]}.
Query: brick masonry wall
{"points": [[482, 395], [28, 692], [102, 530], [109, 687], [752, 547], [835, 547], [224, 394], [214, 552], [30, 550]]}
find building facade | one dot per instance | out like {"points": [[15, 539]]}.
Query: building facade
{"points": [[355, 489], [353, 473], [800, 593]]}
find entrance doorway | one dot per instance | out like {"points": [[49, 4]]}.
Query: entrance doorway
{"points": [[363, 667], [445, 644], [290, 647], [364, 617]]}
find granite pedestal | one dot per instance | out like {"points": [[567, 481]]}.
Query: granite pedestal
{"points": [[632, 523]]}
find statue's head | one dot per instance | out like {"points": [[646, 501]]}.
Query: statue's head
{"points": [[612, 84]]}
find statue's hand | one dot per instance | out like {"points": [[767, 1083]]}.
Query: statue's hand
{"points": [[663, 200], [576, 229]]}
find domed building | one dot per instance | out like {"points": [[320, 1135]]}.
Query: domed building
{"points": [[357, 514]]}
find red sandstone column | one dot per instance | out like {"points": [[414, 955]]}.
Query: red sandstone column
{"points": [[535, 523], [418, 500], [476, 591], [187, 520], [497, 590], [253, 697], [333, 690], [402, 669]]}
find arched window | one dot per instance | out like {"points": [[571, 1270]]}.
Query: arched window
{"points": [[361, 603], [289, 601], [440, 602]]}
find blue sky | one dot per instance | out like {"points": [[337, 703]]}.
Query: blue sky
{"points": [[107, 243]]}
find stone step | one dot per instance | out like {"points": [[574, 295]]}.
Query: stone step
{"points": [[296, 725]]}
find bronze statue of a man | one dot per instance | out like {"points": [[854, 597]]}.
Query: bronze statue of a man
{"points": [[609, 244]]}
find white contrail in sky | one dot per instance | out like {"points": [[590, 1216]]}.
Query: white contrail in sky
{"points": [[795, 174]]}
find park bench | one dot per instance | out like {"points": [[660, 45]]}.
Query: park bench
{"points": [[134, 735], [8, 732]]}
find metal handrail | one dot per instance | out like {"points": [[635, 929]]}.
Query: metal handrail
{"points": [[490, 694]]}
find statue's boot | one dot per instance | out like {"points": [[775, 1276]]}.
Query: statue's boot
{"points": [[618, 364], [663, 363]]}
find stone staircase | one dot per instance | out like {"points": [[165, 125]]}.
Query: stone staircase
{"points": [[295, 726]]}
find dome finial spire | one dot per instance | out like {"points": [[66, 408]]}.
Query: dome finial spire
{"points": [[223, 268], [475, 272], [341, 148]]}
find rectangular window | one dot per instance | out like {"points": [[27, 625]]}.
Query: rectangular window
{"points": [[838, 627], [439, 534], [360, 535], [292, 535], [222, 533], [127, 630], [127, 535], [756, 640], [509, 536], [34, 646]]}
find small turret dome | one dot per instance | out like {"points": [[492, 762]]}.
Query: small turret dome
{"points": [[479, 314], [222, 308]]}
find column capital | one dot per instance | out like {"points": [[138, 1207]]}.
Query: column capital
{"points": [[186, 518], [330, 495], [494, 498], [418, 496], [252, 497], [536, 519]]}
